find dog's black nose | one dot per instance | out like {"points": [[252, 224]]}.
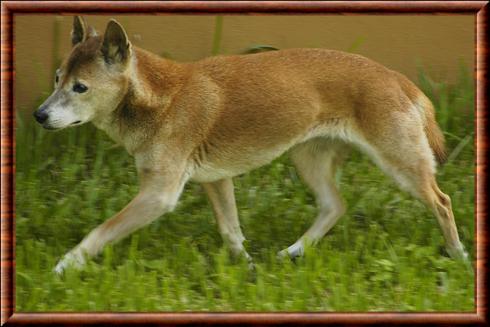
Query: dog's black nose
{"points": [[41, 116]]}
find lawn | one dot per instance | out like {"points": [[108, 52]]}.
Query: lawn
{"points": [[385, 254]]}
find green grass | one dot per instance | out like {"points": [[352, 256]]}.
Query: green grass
{"points": [[385, 254]]}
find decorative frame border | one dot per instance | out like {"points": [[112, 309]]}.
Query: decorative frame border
{"points": [[10, 8]]}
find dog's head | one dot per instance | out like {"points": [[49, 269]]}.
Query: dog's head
{"points": [[92, 80]]}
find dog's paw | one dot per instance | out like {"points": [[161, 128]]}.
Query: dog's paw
{"points": [[295, 250], [459, 254], [70, 260]]}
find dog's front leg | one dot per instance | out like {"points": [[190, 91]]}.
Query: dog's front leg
{"points": [[222, 197], [158, 195]]}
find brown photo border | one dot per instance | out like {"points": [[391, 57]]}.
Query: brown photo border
{"points": [[11, 8]]}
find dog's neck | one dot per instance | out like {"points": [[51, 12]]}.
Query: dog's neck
{"points": [[152, 83], [153, 80]]}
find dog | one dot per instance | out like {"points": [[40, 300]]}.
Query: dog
{"points": [[211, 120]]}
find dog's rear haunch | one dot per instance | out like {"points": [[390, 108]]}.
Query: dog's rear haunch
{"points": [[213, 119]]}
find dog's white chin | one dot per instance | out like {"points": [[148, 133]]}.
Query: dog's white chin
{"points": [[51, 128], [54, 127]]}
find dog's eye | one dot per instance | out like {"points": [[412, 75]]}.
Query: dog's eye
{"points": [[57, 76], [79, 88]]}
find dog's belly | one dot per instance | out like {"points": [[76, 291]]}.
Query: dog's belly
{"points": [[235, 165], [236, 161]]}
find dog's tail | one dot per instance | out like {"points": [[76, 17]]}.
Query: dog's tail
{"points": [[426, 110], [433, 132], [434, 135]]}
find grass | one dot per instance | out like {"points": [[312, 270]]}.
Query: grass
{"points": [[385, 254]]}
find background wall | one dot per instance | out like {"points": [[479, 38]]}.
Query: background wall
{"points": [[437, 44]]}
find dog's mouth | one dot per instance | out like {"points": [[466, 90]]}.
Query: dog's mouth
{"points": [[53, 128]]}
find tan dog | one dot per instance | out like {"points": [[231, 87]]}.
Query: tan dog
{"points": [[213, 119]]}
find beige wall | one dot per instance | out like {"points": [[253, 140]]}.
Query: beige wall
{"points": [[436, 43]]}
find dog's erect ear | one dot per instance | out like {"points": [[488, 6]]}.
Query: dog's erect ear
{"points": [[116, 47], [79, 32]]}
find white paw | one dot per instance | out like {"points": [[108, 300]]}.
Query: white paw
{"points": [[295, 250], [458, 253], [73, 259]]}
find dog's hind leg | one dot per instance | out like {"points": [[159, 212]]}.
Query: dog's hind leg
{"points": [[422, 184], [316, 162], [405, 155], [222, 197]]}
